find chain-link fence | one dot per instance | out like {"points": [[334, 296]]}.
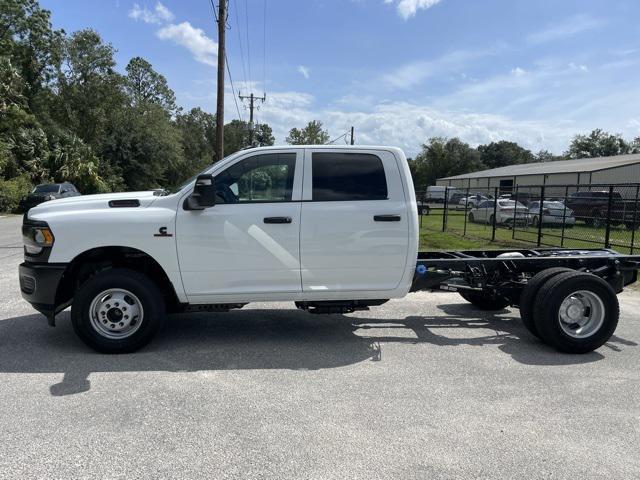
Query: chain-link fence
{"points": [[571, 216]]}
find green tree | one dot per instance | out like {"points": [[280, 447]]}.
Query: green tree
{"points": [[90, 91], [312, 134], [503, 153], [442, 157], [547, 156], [236, 136], [144, 85], [598, 144]]}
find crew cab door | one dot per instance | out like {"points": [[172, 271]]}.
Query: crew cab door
{"points": [[248, 243], [355, 226]]}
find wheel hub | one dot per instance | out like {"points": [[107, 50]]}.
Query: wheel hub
{"points": [[581, 314], [116, 313]]}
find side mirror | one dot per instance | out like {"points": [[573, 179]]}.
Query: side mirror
{"points": [[204, 193]]}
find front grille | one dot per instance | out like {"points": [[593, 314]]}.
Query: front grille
{"points": [[27, 284]]}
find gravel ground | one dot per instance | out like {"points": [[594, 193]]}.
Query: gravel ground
{"points": [[424, 387]]}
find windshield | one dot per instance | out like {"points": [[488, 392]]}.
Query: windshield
{"points": [[47, 188], [170, 190], [510, 203]]}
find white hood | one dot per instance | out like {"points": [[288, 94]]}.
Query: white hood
{"points": [[91, 202]]}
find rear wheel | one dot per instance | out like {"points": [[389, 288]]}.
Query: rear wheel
{"points": [[490, 222], [597, 220], [528, 295], [485, 301], [471, 217], [117, 311], [576, 312], [534, 222]]}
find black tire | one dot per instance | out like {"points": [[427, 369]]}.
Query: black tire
{"points": [[146, 293], [484, 301], [597, 220], [547, 308], [490, 221], [529, 293], [471, 217], [534, 222], [424, 210]]}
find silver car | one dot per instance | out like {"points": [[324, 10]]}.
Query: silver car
{"points": [[553, 213]]}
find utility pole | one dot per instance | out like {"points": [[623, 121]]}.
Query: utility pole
{"points": [[352, 139], [222, 23], [252, 98]]}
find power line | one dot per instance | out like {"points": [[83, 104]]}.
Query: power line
{"points": [[244, 70], [264, 49], [233, 90], [246, 12]]}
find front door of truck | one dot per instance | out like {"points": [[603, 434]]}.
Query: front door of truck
{"points": [[355, 222], [248, 243]]}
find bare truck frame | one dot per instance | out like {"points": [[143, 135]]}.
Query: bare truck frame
{"points": [[566, 297]]}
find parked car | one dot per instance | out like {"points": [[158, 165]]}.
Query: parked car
{"points": [[524, 198], [506, 212], [593, 209], [553, 213], [455, 198], [423, 208], [472, 200], [436, 193], [48, 191]]}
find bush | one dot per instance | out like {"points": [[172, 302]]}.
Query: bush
{"points": [[11, 191]]}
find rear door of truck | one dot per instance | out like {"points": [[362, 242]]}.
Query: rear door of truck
{"points": [[354, 221]]}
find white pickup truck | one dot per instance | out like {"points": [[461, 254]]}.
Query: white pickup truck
{"points": [[333, 229]]}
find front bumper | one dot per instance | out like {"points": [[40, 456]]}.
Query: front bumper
{"points": [[39, 284]]}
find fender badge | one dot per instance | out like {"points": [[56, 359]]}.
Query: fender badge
{"points": [[162, 232]]}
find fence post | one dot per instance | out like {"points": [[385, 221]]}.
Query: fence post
{"points": [[495, 209], [466, 204], [444, 209], [515, 211], [635, 220], [607, 234], [564, 214], [540, 215]]}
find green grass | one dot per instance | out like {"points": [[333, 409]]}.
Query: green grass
{"points": [[479, 235]]}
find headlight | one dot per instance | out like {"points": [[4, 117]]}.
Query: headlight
{"points": [[36, 236]]}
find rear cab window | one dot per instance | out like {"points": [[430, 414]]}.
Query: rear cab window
{"points": [[340, 176]]}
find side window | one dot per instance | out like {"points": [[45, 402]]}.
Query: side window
{"points": [[347, 176], [261, 178], [484, 204]]}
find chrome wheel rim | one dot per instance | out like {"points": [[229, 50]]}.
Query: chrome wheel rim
{"points": [[581, 314], [116, 313]]}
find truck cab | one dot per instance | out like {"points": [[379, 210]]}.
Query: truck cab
{"points": [[323, 226]]}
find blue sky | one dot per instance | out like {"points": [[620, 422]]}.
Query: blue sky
{"points": [[401, 71]]}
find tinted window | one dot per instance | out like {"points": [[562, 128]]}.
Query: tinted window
{"points": [[347, 176], [47, 188], [261, 178]]}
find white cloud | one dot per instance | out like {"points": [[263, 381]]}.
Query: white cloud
{"points": [[518, 72], [304, 71], [408, 8], [203, 48], [160, 14], [414, 73], [567, 28]]}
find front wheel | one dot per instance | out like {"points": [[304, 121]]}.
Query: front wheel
{"points": [[117, 311]]}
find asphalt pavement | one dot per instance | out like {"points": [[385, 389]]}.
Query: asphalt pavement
{"points": [[420, 388]]}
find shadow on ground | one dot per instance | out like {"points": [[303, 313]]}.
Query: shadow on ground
{"points": [[268, 339]]}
